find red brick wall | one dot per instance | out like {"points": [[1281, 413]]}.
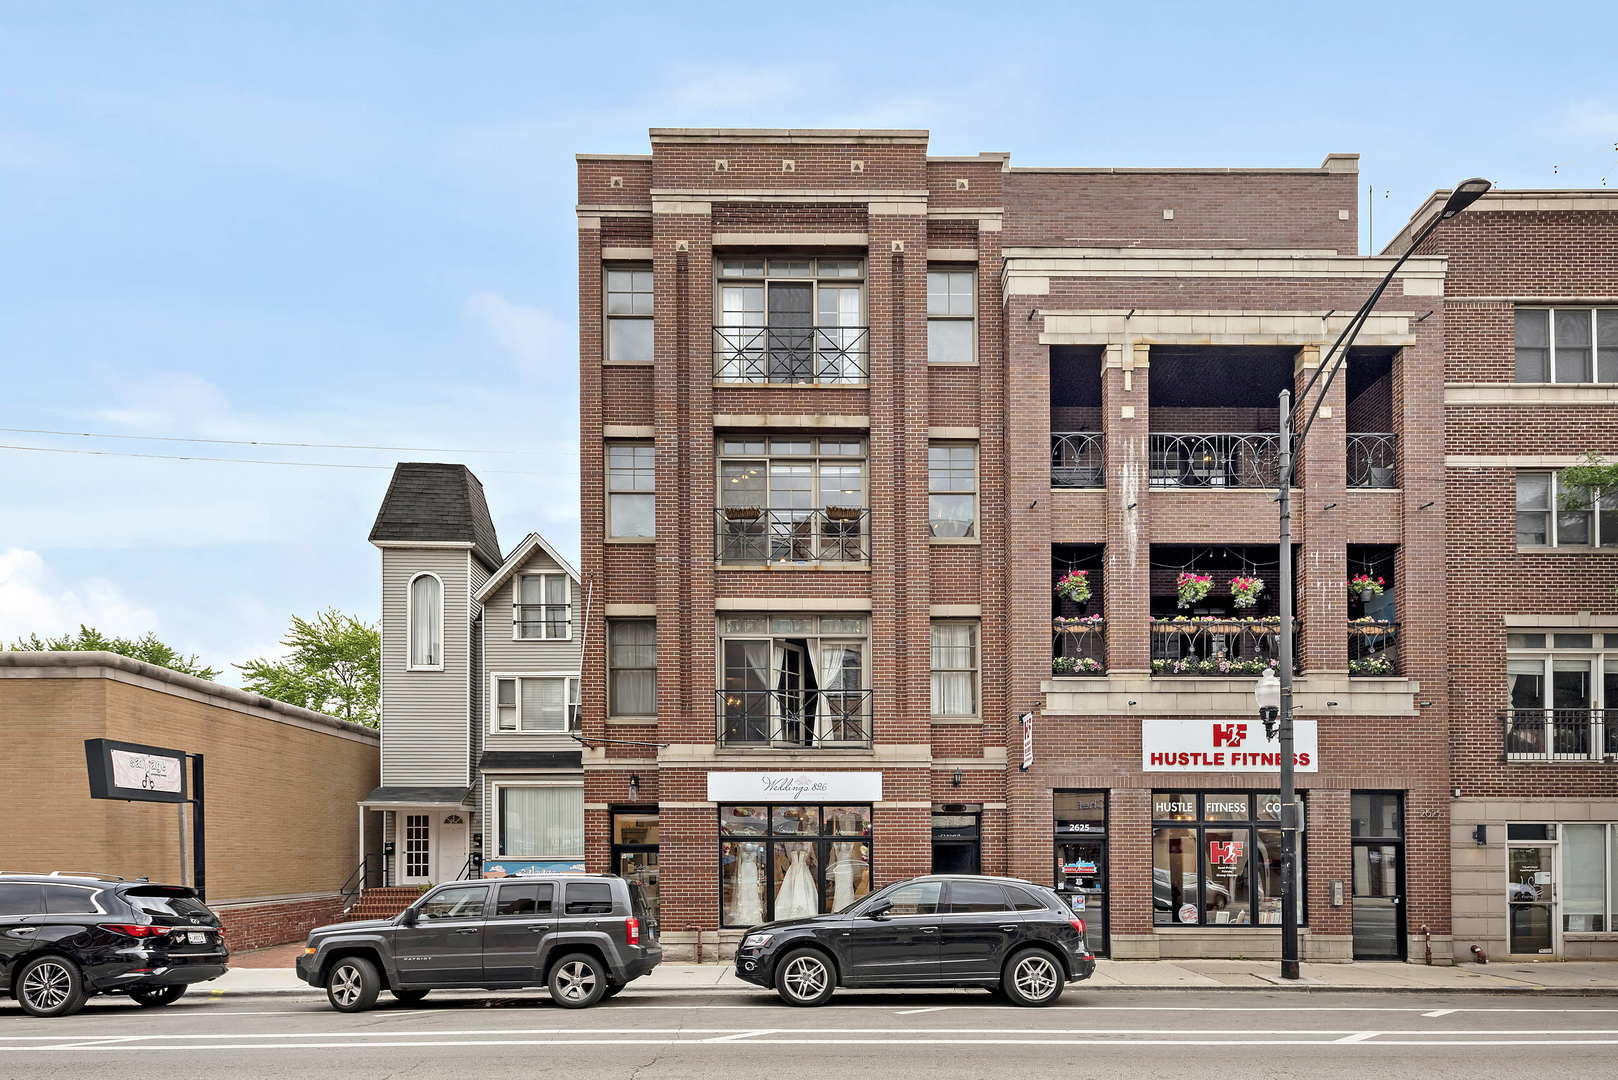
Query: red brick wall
{"points": [[258, 926]]}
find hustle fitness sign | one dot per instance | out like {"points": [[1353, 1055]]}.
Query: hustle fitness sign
{"points": [[1226, 745]]}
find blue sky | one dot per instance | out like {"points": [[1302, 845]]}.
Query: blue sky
{"points": [[352, 223]]}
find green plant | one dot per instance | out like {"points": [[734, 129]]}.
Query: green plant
{"points": [[1075, 585]]}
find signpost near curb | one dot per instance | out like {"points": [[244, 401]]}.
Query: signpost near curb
{"points": [[134, 772]]}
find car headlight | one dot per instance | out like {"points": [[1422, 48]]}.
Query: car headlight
{"points": [[756, 941]]}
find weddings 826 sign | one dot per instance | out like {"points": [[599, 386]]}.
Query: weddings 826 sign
{"points": [[135, 772]]}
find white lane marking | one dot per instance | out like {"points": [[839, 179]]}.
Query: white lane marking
{"points": [[1359, 1036], [1439, 1012], [740, 1035], [914, 1012], [94, 1043]]}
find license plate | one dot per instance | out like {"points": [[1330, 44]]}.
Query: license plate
{"points": [[196, 937]]}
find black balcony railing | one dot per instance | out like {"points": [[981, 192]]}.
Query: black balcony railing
{"points": [[1079, 646], [745, 534], [1076, 459], [1215, 460], [794, 719], [1560, 735], [1373, 648], [1370, 459], [1212, 646], [798, 354]]}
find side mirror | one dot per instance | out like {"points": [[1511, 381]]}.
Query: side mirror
{"points": [[878, 910], [407, 917]]}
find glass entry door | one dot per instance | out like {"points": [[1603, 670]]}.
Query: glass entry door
{"points": [[1378, 901], [1081, 878], [1531, 898]]}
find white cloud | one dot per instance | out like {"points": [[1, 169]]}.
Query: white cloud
{"points": [[34, 600], [540, 343]]}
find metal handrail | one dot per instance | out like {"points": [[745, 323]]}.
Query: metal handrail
{"points": [[754, 535], [790, 354], [1079, 646], [356, 882], [1225, 459], [816, 719], [1373, 648], [1371, 459], [1216, 646], [466, 870], [536, 616], [1076, 460], [1550, 735]]}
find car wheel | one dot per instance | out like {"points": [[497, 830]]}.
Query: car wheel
{"points": [[152, 997], [50, 986], [578, 981], [805, 978], [352, 984], [1033, 977], [408, 997]]}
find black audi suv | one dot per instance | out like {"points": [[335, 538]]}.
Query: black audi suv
{"points": [[66, 936], [943, 930]]}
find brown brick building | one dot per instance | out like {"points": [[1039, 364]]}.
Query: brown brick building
{"points": [[853, 422]]}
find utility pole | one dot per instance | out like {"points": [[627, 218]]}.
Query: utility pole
{"points": [[1289, 819]]}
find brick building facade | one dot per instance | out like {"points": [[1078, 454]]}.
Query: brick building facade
{"points": [[851, 414]]}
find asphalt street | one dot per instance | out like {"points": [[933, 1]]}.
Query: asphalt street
{"points": [[680, 1034]]}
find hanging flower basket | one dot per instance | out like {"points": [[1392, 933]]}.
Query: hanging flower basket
{"points": [[1364, 585], [1244, 590], [1192, 588], [743, 513], [1074, 585], [843, 513]]}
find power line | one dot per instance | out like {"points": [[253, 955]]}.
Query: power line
{"points": [[252, 442], [226, 460]]}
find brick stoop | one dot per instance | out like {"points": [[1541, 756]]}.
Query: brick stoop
{"points": [[383, 902]]}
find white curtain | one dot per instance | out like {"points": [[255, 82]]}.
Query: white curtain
{"points": [[954, 665], [542, 822], [426, 622]]}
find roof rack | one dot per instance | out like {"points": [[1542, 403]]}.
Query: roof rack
{"points": [[88, 874]]}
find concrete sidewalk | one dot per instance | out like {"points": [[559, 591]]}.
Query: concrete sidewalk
{"points": [[1567, 977]]}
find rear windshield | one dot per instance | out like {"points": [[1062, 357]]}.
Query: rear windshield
{"points": [[167, 900]]}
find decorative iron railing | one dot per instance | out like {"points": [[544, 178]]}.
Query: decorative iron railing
{"points": [[798, 354], [794, 719], [1371, 456], [1215, 460], [1212, 646], [1559, 735], [1079, 646], [1076, 459], [1373, 647], [748, 534]]}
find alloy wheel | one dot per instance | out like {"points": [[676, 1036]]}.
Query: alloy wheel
{"points": [[575, 981], [1035, 977], [805, 977], [346, 984], [47, 986]]}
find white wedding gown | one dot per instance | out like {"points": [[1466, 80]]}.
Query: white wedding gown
{"points": [[842, 876], [749, 892], [797, 898]]}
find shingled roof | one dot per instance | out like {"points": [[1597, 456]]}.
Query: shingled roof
{"points": [[431, 501]]}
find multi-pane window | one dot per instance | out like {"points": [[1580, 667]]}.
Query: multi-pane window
{"points": [[631, 480], [1567, 345], [1216, 859], [542, 607], [629, 314], [632, 667], [536, 704], [791, 861], [951, 322], [793, 499], [540, 821], [426, 622], [793, 681], [790, 319], [955, 667], [1559, 683], [952, 490], [1549, 513]]}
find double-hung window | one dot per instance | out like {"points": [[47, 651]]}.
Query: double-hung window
{"points": [[536, 704], [955, 668], [952, 490], [631, 483], [631, 667], [542, 608], [951, 316], [1558, 683], [790, 319], [1567, 345], [629, 313], [1551, 514]]}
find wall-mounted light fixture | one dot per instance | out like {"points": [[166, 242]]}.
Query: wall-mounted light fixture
{"points": [[955, 780], [634, 786]]}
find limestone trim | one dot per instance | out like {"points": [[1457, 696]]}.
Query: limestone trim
{"points": [[792, 603], [793, 239], [630, 611], [789, 420], [1530, 394], [626, 254], [1190, 327], [1511, 461], [1193, 696]]}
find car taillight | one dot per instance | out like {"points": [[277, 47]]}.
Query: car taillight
{"points": [[632, 930], [135, 930], [1078, 924]]}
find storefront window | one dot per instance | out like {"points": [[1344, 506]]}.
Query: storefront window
{"points": [[634, 852], [790, 861], [1224, 867]]}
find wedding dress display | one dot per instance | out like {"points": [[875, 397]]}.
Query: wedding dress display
{"points": [[842, 876], [797, 898], [748, 889]]}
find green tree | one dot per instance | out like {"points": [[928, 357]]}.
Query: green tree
{"points": [[147, 648], [333, 665]]}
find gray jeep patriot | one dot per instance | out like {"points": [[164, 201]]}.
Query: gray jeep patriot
{"points": [[583, 936]]}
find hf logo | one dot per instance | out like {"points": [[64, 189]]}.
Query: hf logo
{"points": [[1229, 734]]}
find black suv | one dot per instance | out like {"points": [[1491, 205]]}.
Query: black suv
{"points": [[65, 936], [584, 936], [999, 933]]}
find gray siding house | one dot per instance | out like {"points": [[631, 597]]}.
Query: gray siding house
{"points": [[480, 680]]}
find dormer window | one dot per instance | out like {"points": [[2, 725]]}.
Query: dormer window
{"points": [[542, 608], [426, 623]]}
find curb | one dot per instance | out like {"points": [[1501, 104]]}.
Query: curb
{"points": [[1544, 991]]}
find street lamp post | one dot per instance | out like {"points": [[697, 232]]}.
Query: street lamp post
{"points": [[1465, 194]]}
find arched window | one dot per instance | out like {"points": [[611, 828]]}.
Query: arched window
{"points": [[426, 622]]}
